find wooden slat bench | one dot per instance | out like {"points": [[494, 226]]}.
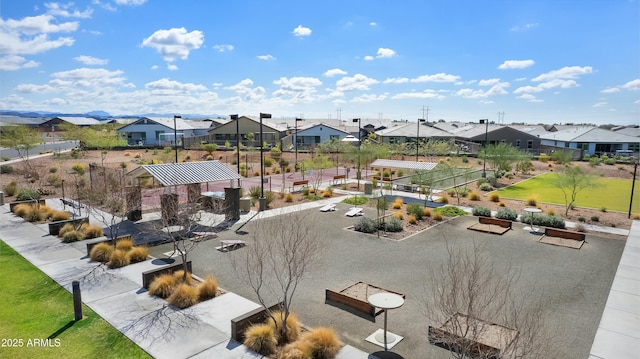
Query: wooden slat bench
{"points": [[498, 222], [339, 179], [303, 183], [564, 238]]}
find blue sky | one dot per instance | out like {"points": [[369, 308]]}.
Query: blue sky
{"points": [[538, 61]]}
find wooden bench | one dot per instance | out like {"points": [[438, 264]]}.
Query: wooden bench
{"points": [[339, 179], [562, 233], [303, 183], [498, 222], [72, 204]]}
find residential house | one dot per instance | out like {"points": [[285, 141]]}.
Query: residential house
{"points": [[311, 135], [247, 127], [592, 140], [156, 131]]}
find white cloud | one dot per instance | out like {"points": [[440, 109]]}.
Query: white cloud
{"points": [[516, 64], [440, 77], [154, 67], [165, 86], [568, 72], [525, 27], [600, 104], [372, 23], [610, 90], [334, 72], [358, 82], [385, 53], [396, 80], [130, 2], [632, 85], [296, 89], [266, 57], [246, 92], [172, 67], [497, 89], [175, 43], [529, 97], [368, 58], [79, 80], [31, 25], [301, 31], [489, 82], [15, 62], [57, 9], [429, 94], [368, 98], [90, 60], [223, 48]]}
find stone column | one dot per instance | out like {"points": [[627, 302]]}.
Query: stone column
{"points": [[133, 199]]}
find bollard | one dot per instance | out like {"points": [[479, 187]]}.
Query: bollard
{"points": [[77, 301]]}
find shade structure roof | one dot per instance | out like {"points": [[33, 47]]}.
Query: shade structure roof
{"points": [[174, 174], [418, 166]]}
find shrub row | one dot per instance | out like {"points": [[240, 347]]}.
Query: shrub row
{"points": [[69, 233], [183, 293], [32, 212], [368, 225], [544, 220], [124, 253]]}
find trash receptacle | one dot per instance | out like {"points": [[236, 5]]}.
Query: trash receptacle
{"points": [[368, 188], [1, 198]]}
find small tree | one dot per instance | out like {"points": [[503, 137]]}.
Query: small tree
{"points": [[282, 252], [106, 199], [502, 155], [22, 139], [318, 164], [210, 148], [571, 181]]}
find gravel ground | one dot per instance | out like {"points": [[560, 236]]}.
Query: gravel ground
{"points": [[575, 283]]}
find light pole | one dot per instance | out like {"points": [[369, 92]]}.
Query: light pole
{"points": [[295, 138], [263, 201], [486, 132], [633, 184], [175, 135], [235, 118], [418, 138], [358, 175]]}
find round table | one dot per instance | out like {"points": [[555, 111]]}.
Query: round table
{"points": [[533, 212], [386, 301]]}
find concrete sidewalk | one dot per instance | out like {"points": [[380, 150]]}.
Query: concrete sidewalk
{"points": [[201, 331]]}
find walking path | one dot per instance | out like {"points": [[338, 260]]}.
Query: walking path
{"points": [[201, 331]]}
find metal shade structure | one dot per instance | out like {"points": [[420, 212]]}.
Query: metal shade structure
{"points": [[175, 174]]}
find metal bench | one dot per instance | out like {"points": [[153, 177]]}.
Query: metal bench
{"points": [[328, 208], [354, 212]]}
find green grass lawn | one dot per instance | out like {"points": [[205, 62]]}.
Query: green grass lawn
{"points": [[613, 193], [33, 306]]}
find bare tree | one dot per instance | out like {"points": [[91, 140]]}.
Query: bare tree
{"points": [[282, 252], [476, 311], [571, 181], [106, 198]]}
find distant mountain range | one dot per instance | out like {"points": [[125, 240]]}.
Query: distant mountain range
{"points": [[99, 115]]}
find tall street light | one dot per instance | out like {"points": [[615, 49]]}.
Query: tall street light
{"points": [[175, 135], [359, 147], [633, 185], [235, 118], [263, 201], [295, 137], [486, 132], [418, 138]]}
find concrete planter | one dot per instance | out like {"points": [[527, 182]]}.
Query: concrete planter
{"points": [[32, 201], [55, 227]]}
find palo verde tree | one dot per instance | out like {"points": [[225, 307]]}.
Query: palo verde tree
{"points": [[468, 294], [458, 177], [502, 155], [335, 146], [282, 252], [318, 164], [571, 181]]}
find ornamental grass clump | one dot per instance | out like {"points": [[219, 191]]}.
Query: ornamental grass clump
{"points": [[413, 219], [162, 285], [415, 209], [72, 236], [118, 259], [296, 350], [397, 215], [437, 217], [138, 254], [125, 244], [101, 252], [324, 342], [397, 204], [532, 200], [180, 277], [91, 231], [66, 228], [426, 212], [183, 296], [494, 197], [261, 338], [22, 210], [292, 325], [207, 289], [474, 196], [59, 216]]}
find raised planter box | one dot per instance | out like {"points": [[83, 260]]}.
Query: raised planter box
{"points": [[495, 221], [93, 242], [55, 227], [33, 201], [148, 276], [240, 324], [355, 297], [563, 233]]}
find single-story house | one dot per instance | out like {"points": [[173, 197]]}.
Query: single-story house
{"points": [[156, 131], [248, 127], [592, 140], [311, 135]]}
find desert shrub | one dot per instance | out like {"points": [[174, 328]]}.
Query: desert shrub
{"points": [[78, 168], [296, 350], [481, 181], [268, 162], [481, 211], [595, 219], [179, 276], [450, 211], [397, 215], [443, 199], [269, 196], [118, 259], [323, 341], [543, 158], [72, 236], [474, 196], [509, 175], [91, 231], [207, 289], [465, 159], [551, 212], [610, 161], [59, 215], [451, 192], [66, 228], [183, 296], [397, 204], [261, 338], [6, 169], [255, 192], [35, 215], [54, 180], [125, 244], [162, 285], [532, 200], [393, 225], [426, 212], [544, 220], [494, 197], [415, 209], [635, 216], [256, 173], [305, 191], [288, 198], [486, 187], [501, 204], [138, 254], [26, 194], [437, 217], [507, 213], [101, 252], [355, 200], [366, 225], [292, 323], [22, 209], [581, 219], [10, 189], [413, 219]]}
